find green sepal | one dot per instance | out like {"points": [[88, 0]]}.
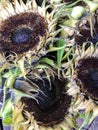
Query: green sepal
{"points": [[6, 112], [7, 120]]}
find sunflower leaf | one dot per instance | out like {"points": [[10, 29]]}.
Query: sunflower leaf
{"points": [[60, 53]]}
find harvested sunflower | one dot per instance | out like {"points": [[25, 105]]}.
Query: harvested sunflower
{"points": [[52, 104], [25, 30], [83, 85], [40, 102]]}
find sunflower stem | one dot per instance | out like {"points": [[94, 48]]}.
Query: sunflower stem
{"points": [[60, 53]]}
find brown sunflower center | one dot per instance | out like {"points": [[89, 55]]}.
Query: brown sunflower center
{"points": [[94, 76], [21, 35], [87, 76], [22, 32], [47, 96], [52, 101]]}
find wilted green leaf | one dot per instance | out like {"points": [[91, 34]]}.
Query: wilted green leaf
{"points": [[7, 120]]}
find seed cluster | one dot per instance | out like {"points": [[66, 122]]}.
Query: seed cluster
{"points": [[52, 101], [87, 76]]}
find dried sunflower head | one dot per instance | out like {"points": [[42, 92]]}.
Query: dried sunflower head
{"points": [[86, 71], [50, 107], [83, 60], [24, 28], [83, 85], [87, 76]]}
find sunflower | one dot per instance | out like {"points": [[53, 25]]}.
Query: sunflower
{"points": [[83, 86], [50, 105], [25, 28]]}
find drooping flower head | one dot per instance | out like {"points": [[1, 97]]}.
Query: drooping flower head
{"points": [[50, 106]]}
